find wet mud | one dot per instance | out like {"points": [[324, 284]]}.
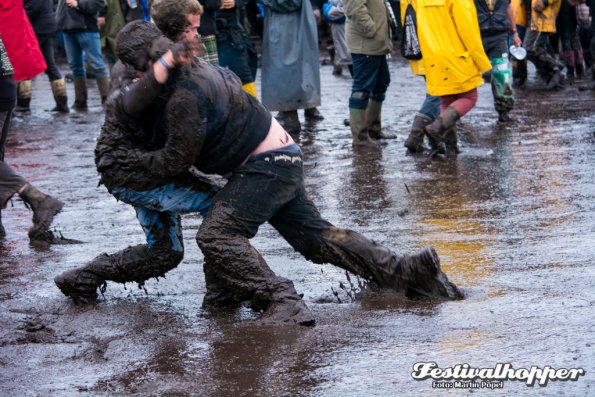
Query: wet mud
{"points": [[512, 218]]}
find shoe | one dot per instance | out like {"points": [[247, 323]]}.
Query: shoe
{"points": [[53, 238], [80, 285], [421, 277], [504, 117], [290, 121], [313, 114], [45, 208], [288, 312]]}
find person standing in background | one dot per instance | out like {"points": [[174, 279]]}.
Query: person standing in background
{"points": [[453, 59], [78, 20], [290, 64]]}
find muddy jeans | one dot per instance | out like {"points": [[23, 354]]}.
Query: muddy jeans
{"points": [[158, 211], [496, 46], [270, 187]]}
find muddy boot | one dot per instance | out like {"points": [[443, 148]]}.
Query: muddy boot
{"points": [[290, 121], [313, 115], [554, 80], [133, 264], [60, 96], [420, 276], [519, 72], [80, 93], [437, 129], [44, 207], [103, 87], [415, 140], [2, 231], [451, 141], [286, 307], [23, 96], [359, 132], [504, 116], [373, 121]]}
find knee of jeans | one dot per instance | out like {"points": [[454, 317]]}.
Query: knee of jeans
{"points": [[359, 100], [377, 97]]}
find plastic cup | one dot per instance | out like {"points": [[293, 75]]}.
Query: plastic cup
{"points": [[518, 52]]}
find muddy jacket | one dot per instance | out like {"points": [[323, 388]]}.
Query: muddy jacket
{"points": [[80, 19], [450, 42], [367, 31], [211, 123], [492, 16]]}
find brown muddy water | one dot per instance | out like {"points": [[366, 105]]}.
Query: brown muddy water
{"points": [[512, 218]]}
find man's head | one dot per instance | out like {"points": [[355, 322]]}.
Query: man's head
{"points": [[134, 44], [177, 19]]}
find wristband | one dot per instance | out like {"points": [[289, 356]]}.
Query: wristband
{"points": [[165, 65]]}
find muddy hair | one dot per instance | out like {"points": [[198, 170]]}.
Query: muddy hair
{"points": [[171, 16], [133, 43]]}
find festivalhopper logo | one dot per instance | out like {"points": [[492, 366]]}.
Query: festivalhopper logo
{"points": [[468, 377]]}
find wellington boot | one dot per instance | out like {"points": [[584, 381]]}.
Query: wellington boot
{"points": [[80, 93], [313, 115], [287, 308], [24, 92], [580, 71], [103, 87], [132, 264], [420, 276], [554, 80], [359, 132], [290, 121], [451, 141], [415, 140], [45, 208], [373, 121], [60, 96], [437, 129]]}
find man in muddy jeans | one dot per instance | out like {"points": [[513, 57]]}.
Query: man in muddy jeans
{"points": [[158, 202]]}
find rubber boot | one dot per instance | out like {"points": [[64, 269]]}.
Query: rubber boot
{"points": [[438, 128], [80, 93], [357, 122], [554, 80], [103, 87], [580, 64], [419, 275], [60, 96], [23, 96], [286, 307], [2, 231], [415, 140], [373, 121], [519, 72], [313, 114], [451, 141], [133, 264], [290, 121], [45, 208]]}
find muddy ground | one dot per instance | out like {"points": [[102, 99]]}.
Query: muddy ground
{"points": [[512, 218]]}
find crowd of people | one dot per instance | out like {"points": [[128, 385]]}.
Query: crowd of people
{"points": [[176, 80]]}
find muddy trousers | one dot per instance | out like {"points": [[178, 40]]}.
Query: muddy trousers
{"points": [[496, 48], [10, 181], [270, 187], [540, 52], [159, 214]]}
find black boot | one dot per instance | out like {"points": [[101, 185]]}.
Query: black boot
{"points": [[438, 128], [60, 96], [415, 140], [451, 141], [313, 114], [133, 264], [285, 307], [420, 276], [45, 208], [290, 121]]}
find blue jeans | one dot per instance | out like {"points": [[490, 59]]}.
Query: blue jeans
{"points": [[158, 211], [371, 78], [431, 106], [240, 58], [81, 47]]}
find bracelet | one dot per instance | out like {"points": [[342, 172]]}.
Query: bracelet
{"points": [[165, 65]]}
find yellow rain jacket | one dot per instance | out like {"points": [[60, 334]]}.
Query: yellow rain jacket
{"points": [[453, 55], [544, 21]]}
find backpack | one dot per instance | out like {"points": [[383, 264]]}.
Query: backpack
{"points": [[410, 43]]}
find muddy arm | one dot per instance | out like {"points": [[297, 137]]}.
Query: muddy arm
{"points": [[185, 138]]}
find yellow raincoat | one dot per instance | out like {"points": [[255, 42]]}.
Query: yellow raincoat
{"points": [[544, 21], [453, 55]]}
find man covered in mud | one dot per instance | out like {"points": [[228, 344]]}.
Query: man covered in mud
{"points": [[214, 125], [158, 201]]}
